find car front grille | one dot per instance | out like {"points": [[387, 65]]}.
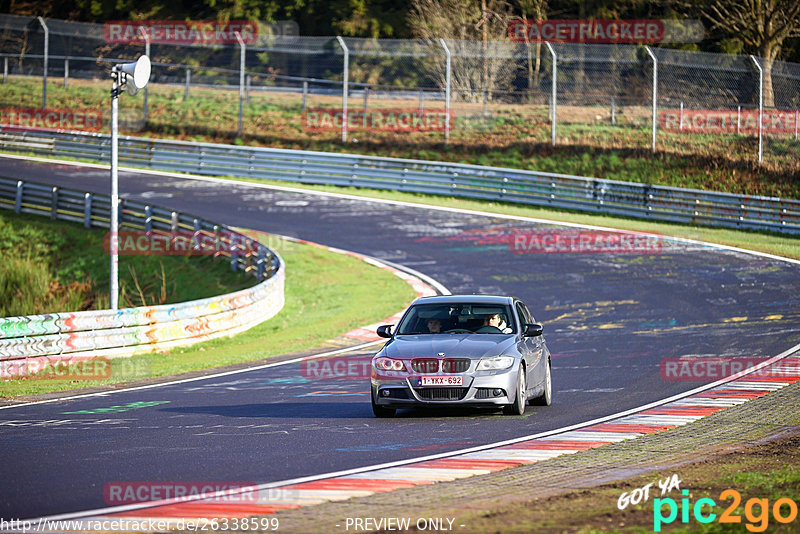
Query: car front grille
{"points": [[458, 365], [448, 365], [441, 394], [425, 365]]}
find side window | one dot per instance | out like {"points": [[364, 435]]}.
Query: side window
{"points": [[522, 313], [528, 314]]}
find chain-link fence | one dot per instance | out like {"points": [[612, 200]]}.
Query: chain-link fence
{"points": [[302, 89]]}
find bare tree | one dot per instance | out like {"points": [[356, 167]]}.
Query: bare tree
{"points": [[537, 9], [762, 25], [479, 31]]}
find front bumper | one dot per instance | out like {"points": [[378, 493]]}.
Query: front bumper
{"points": [[484, 388]]}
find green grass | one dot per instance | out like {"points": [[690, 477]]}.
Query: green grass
{"points": [[327, 294], [516, 136], [55, 266]]}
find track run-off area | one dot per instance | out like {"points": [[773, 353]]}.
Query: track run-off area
{"points": [[616, 324]]}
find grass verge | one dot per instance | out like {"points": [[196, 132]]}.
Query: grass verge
{"points": [[56, 266], [327, 294], [516, 136]]}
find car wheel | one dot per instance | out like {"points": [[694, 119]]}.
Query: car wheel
{"points": [[518, 406], [381, 411], [546, 398]]}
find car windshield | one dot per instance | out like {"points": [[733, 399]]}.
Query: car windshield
{"points": [[458, 319]]}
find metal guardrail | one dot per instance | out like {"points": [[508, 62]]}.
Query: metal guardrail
{"points": [[43, 338], [561, 191]]}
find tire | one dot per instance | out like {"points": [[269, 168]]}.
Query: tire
{"points": [[381, 411], [518, 406], [546, 398]]}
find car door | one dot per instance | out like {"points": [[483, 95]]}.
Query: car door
{"points": [[534, 350]]}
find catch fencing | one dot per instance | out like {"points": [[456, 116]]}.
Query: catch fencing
{"points": [[42, 339], [617, 95], [439, 178]]}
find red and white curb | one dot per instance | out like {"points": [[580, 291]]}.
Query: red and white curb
{"points": [[771, 375]]}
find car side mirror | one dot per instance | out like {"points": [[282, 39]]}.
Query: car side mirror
{"points": [[533, 330], [385, 330]]}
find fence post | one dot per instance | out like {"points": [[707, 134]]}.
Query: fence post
{"points": [[796, 117], [66, 72], [87, 210], [553, 94], [655, 95], [242, 52], [305, 93], [447, 89], [760, 106], [366, 98], [420, 102], [44, 68], [188, 81], [613, 112], [345, 76], [247, 89], [738, 119], [5, 69]]}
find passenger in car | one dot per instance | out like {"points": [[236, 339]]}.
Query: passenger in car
{"points": [[434, 326]]}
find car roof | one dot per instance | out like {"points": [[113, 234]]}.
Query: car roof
{"points": [[462, 299]]}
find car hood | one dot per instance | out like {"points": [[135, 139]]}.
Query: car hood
{"points": [[452, 345]]}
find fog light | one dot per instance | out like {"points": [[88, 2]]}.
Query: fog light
{"points": [[497, 392], [384, 393]]}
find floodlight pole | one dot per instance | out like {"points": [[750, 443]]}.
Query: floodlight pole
{"points": [[113, 288], [46, 53]]}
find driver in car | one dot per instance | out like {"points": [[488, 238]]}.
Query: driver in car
{"points": [[496, 321], [434, 326]]}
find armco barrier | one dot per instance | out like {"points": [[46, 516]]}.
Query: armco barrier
{"points": [[451, 179], [111, 333]]}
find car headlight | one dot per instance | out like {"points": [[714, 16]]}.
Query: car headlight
{"points": [[495, 363], [389, 364]]}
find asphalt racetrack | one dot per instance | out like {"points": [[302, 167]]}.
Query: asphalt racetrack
{"points": [[611, 321]]}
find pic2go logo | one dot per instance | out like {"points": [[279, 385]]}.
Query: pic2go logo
{"points": [[756, 511]]}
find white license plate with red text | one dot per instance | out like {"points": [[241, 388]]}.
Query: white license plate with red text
{"points": [[441, 380]]}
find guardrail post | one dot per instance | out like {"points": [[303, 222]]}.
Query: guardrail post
{"points": [[447, 88], [148, 220], [760, 106], [18, 197], [196, 235], [188, 81], [54, 203], [262, 253], [655, 95], [173, 222], [553, 94], [234, 257], [87, 210], [217, 240], [44, 68], [345, 86], [242, 57], [66, 72]]}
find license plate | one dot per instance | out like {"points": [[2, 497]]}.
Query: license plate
{"points": [[440, 381]]}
